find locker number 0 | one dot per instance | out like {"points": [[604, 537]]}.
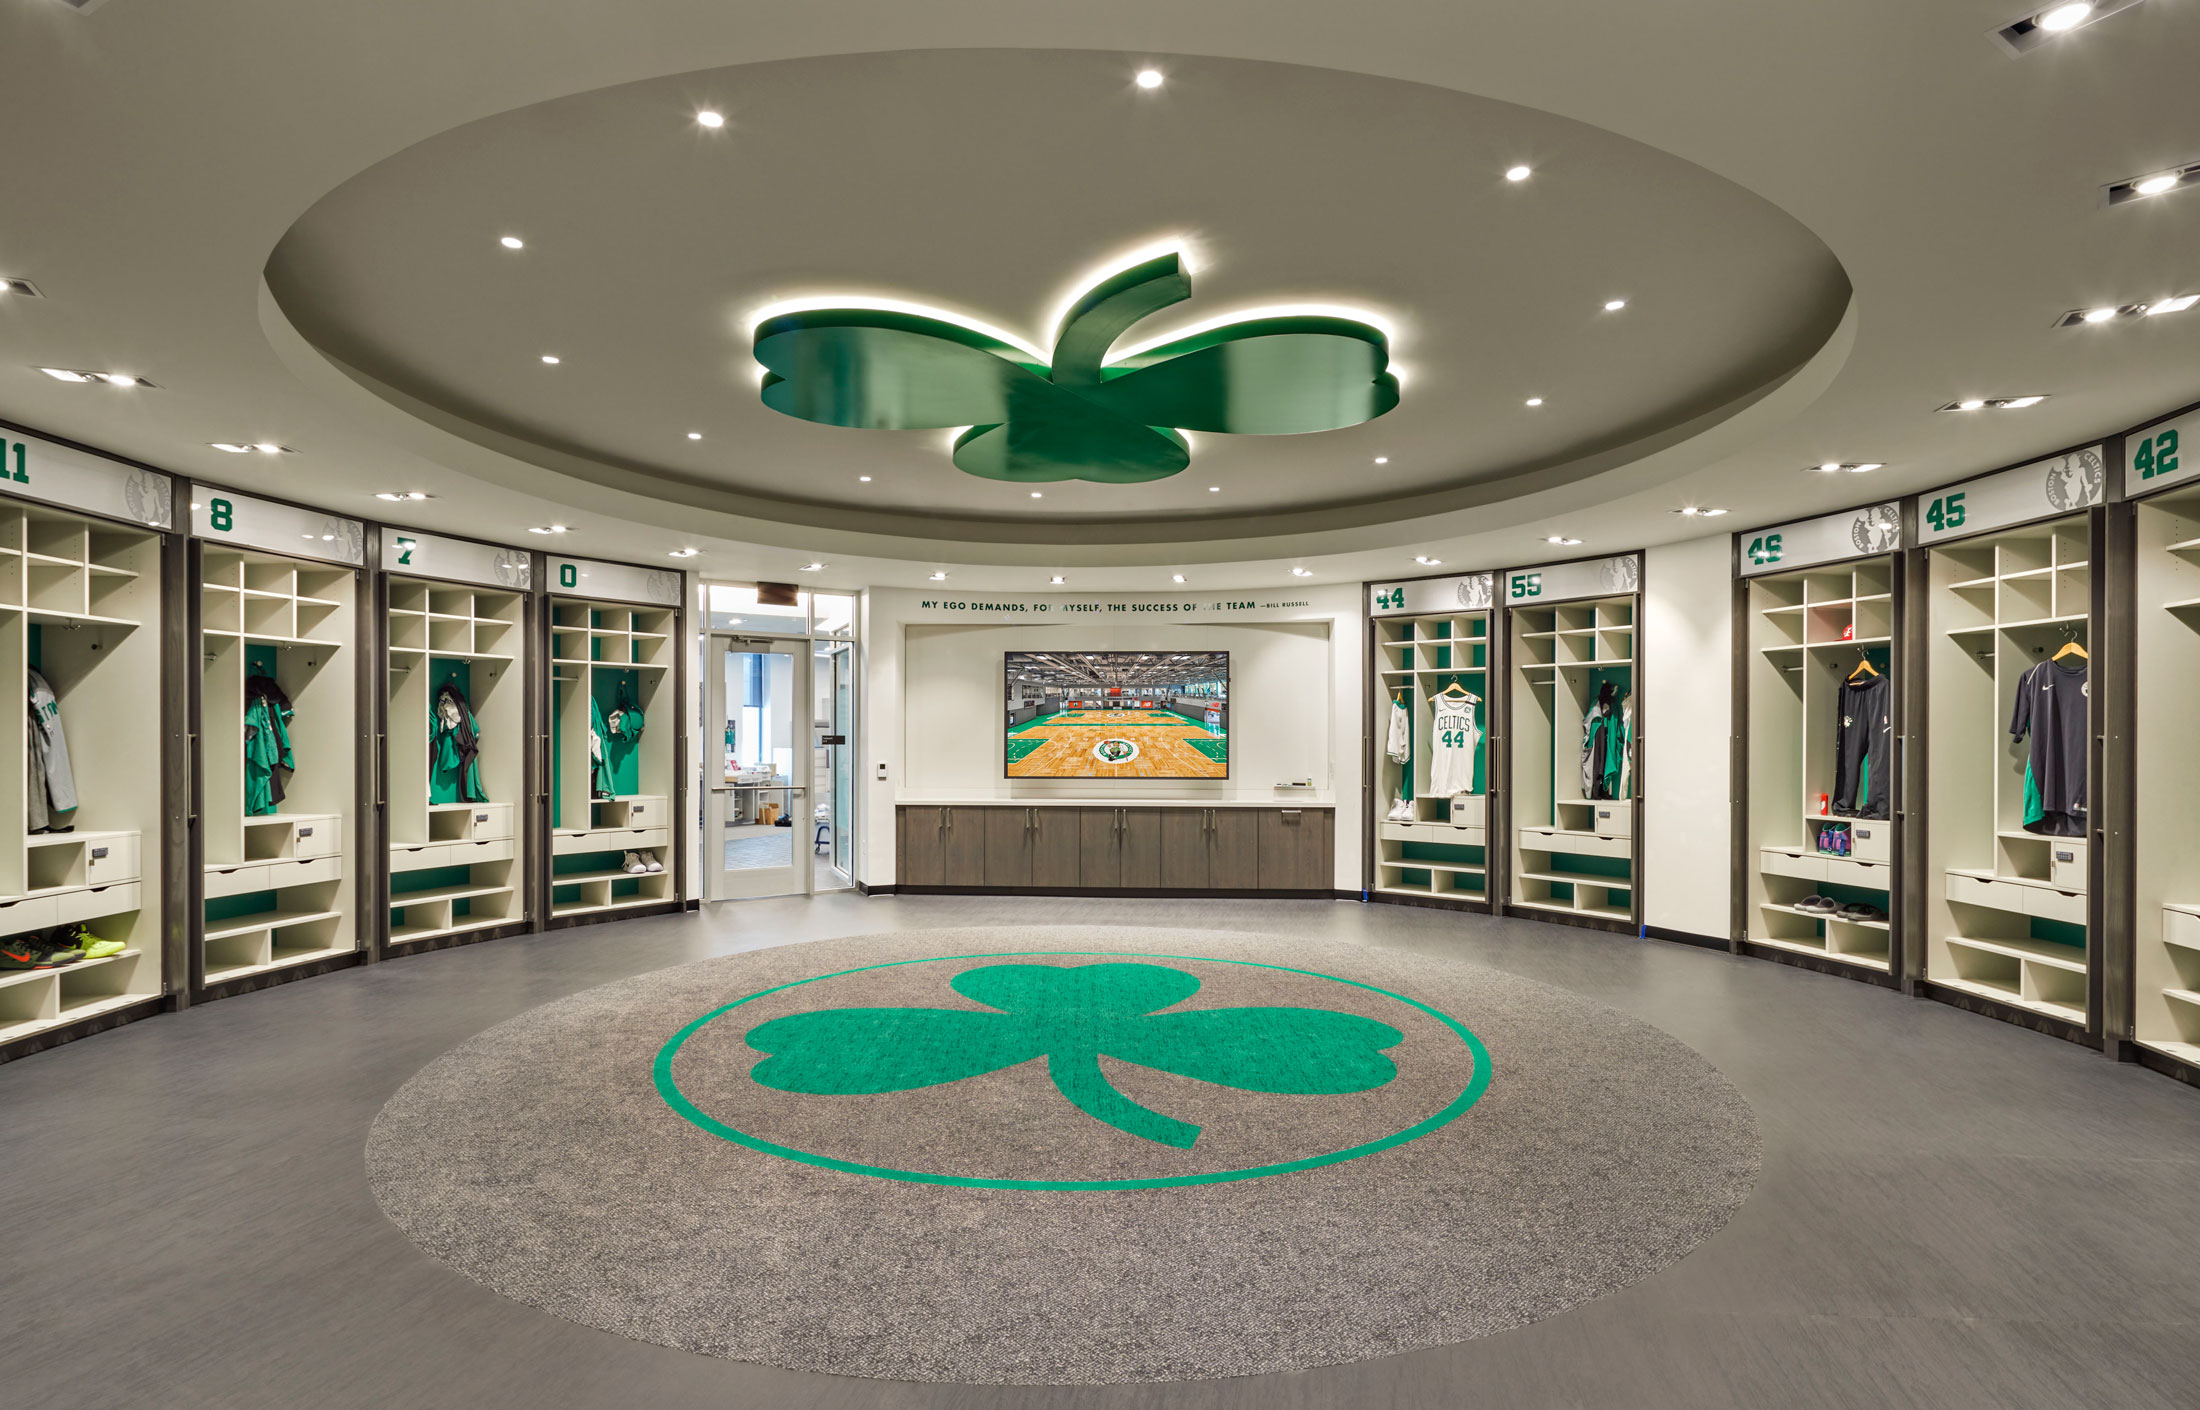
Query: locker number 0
{"points": [[2156, 455], [568, 575], [1527, 585]]}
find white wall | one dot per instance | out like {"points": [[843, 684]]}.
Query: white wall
{"points": [[1687, 793], [932, 699]]}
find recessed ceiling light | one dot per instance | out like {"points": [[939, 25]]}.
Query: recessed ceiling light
{"points": [[232, 448], [550, 359], [1971, 404], [2098, 315], [1149, 78], [1382, 460], [2176, 305], [866, 479], [548, 529], [2156, 185], [1867, 467], [1834, 467], [1302, 573], [270, 448], [513, 242], [1518, 173], [2064, 17], [1425, 561], [683, 553], [1829, 467], [2019, 403], [1614, 305], [1036, 495], [62, 374], [1693, 511], [813, 568], [1214, 489], [112, 379], [1535, 401], [395, 495], [2045, 26], [19, 286], [117, 379], [1560, 538], [708, 118], [1176, 577], [939, 577], [695, 435], [1057, 579], [2153, 183]]}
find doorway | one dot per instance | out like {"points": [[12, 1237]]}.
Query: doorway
{"points": [[761, 831]]}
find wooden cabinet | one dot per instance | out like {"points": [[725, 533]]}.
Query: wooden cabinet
{"points": [[1051, 848]]}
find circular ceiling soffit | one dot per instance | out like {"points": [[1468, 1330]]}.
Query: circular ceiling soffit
{"points": [[985, 190]]}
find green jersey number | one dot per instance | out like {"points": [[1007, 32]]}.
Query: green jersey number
{"points": [[19, 454], [221, 515], [1946, 512], [1387, 599], [1453, 739], [1527, 585], [2156, 455], [1765, 549]]}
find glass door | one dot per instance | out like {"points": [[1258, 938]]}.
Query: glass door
{"points": [[759, 824], [832, 771]]}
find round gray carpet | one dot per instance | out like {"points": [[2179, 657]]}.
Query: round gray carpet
{"points": [[1063, 1155]]}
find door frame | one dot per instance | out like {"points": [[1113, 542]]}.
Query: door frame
{"points": [[723, 883]]}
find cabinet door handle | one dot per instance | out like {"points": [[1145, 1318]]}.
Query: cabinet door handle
{"points": [[947, 820]]}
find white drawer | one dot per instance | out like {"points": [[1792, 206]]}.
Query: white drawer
{"points": [[1808, 866], [319, 836], [1470, 810], [1878, 876], [490, 849], [1871, 840], [2066, 862], [1537, 836], [29, 913], [645, 837], [1970, 890], [236, 880], [110, 859], [303, 871], [1460, 836], [2055, 905], [415, 857], [645, 811], [492, 820], [1400, 832], [1614, 819], [97, 901], [564, 842]]}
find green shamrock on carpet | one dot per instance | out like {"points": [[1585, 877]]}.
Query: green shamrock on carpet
{"points": [[1082, 418], [1070, 1015]]}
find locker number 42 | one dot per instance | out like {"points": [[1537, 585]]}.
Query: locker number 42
{"points": [[2155, 455]]}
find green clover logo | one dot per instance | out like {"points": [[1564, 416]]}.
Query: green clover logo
{"points": [[1070, 1015], [1083, 417]]}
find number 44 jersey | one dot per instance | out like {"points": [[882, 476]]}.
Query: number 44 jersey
{"points": [[1457, 732]]}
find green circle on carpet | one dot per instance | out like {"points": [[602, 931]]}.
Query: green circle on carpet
{"points": [[1087, 1214], [1295, 1050]]}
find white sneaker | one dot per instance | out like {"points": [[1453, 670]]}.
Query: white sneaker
{"points": [[653, 864], [633, 865], [1402, 810]]}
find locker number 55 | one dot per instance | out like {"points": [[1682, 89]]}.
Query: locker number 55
{"points": [[1527, 585]]}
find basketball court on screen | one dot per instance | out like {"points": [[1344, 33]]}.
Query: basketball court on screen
{"points": [[1074, 744]]}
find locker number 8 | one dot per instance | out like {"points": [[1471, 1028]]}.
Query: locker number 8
{"points": [[221, 514]]}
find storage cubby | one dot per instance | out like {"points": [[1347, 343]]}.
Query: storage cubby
{"points": [[2005, 907], [1810, 632], [80, 605], [2166, 838], [278, 884], [1429, 843], [455, 861], [1573, 842], [605, 656]]}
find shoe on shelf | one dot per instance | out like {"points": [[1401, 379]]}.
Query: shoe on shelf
{"points": [[1401, 810], [75, 937], [652, 863], [633, 865], [1823, 905], [33, 951], [1856, 910]]}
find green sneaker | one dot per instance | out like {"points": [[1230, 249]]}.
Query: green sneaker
{"points": [[33, 952], [76, 937]]}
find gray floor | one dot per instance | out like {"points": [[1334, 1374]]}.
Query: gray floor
{"points": [[1953, 1212]]}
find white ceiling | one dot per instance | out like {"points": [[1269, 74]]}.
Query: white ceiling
{"points": [[1722, 163]]}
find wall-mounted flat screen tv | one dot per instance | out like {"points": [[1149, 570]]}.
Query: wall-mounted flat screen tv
{"points": [[1117, 714]]}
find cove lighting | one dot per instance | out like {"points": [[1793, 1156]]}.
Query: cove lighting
{"points": [[513, 242], [683, 553], [711, 119], [1149, 78], [396, 497], [1518, 173]]}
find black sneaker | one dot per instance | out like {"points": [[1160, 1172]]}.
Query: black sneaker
{"points": [[1823, 905], [32, 951], [1856, 910]]}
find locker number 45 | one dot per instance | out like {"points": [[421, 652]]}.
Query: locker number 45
{"points": [[1945, 512]]}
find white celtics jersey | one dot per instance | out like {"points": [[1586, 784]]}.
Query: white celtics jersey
{"points": [[1455, 733]]}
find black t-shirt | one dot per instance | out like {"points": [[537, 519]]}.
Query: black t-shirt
{"points": [[2050, 706]]}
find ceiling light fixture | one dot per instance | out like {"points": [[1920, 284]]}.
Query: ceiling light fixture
{"points": [[1302, 572], [112, 379], [1535, 401], [2021, 37], [270, 448], [1425, 561], [695, 435], [513, 242], [2176, 305], [1560, 539], [1176, 577], [1149, 78], [1214, 489], [2098, 315], [2150, 184], [1518, 173], [1835, 467], [939, 577], [1694, 511], [1382, 460], [548, 529], [19, 286], [864, 479], [1994, 403], [683, 553], [1037, 495], [232, 448], [550, 359], [711, 119], [1614, 305], [1057, 580], [2064, 17], [63, 374], [396, 497]]}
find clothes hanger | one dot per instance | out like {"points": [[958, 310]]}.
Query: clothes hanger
{"points": [[1864, 666], [2070, 648], [1454, 689]]}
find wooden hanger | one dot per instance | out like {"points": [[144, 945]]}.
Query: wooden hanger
{"points": [[2070, 648], [1864, 667], [1454, 689]]}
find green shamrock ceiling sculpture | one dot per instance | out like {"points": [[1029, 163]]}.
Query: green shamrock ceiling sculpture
{"points": [[1083, 418], [1070, 1015]]}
